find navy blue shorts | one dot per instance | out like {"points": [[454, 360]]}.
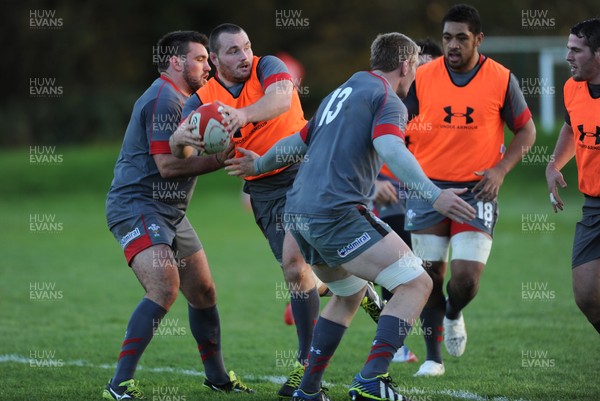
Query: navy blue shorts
{"points": [[586, 243], [420, 214], [338, 240], [138, 233]]}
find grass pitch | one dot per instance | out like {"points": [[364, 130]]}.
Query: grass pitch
{"points": [[66, 295]]}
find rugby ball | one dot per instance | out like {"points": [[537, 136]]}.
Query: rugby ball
{"points": [[207, 122]]}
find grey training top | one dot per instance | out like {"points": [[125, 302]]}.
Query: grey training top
{"points": [[137, 187], [353, 126]]}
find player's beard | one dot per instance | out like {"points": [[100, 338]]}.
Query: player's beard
{"points": [[460, 60], [577, 75], [235, 74], [194, 83], [584, 71]]}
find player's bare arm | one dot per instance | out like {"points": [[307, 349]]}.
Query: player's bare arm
{"points": [[488, 188], [276, 101], [563, 152], [184, 142], [170, 166]]}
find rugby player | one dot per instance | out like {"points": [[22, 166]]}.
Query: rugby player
{"points": [[262, 105], [461, 102], [145, 211], [357, 128], [389, 201], [580, 137]]}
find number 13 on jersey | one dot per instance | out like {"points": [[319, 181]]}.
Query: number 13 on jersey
{"points": [[338, 97]]}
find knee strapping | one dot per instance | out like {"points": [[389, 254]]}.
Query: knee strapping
{"points": [[431, 247], [405, 269], [471, 245], [347, 286]]}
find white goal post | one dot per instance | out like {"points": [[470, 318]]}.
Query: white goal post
{"points": [[551, 51]]}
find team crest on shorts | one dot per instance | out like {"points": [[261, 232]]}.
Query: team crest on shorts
{"points": [[410, 214], [154, 228], [354, 245]]}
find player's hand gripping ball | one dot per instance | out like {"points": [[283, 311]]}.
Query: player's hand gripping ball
{"points": [[207, 121]]}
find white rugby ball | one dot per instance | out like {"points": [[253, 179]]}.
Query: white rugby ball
{"points": [[207, 122]]}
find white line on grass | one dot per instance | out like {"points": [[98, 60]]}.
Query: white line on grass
{"points": [[465, 395], [459, 394]]}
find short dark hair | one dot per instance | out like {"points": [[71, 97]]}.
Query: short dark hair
{"points": [[213, 41], [430, 47], [466, 14], [389, 50], [590, 30], [176, 44]]}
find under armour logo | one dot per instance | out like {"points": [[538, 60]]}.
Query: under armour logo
{"points": [[450, 114], [583, 134]]}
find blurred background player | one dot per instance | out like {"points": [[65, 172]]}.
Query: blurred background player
{"points": [[461, 102], [389, 202], [429, 50], [346, 244], [148, 218], [580, 137], [261, 106]]}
